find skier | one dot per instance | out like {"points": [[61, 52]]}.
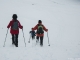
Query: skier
{"points": [[33, 34], [40, 32], [14, 26]]}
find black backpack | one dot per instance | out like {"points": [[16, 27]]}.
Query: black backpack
{"points": [[15, 25], [40, 29]]}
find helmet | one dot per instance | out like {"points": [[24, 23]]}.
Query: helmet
{"points": [[39, 21], [14, 16]]}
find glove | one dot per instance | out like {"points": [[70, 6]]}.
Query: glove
{"points": [[46, 30], [22, 27], [7, 27]]}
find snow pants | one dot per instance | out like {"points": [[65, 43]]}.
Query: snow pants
{"points": [[15, 39], [41, 39]]}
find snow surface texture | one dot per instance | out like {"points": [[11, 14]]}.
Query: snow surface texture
{"points": [[61, 17]]}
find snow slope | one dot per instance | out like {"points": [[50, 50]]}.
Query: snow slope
{"points": [[61, 17]]}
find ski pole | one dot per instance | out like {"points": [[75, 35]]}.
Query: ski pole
{"points": [[5, 38], [29, 39], [24, 38], [48, 39]]}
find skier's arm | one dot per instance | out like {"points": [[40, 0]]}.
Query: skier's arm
{"points": [[45, 28], [9, 25], [30, 32], [35, 27], [20, 26]]}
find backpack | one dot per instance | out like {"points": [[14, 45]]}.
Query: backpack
{"points": [[40, 29], [15, 25]]}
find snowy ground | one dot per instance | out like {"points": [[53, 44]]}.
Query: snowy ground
{"points": [[61, 17]]}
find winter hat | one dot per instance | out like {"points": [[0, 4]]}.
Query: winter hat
{"points": [[14, 16], [39, 21]]}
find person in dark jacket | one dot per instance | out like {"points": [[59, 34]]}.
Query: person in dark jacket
{"points": [[14, 26], [40, 31], [33, 34]]}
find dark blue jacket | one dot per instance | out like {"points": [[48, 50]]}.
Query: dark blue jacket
{"points": [[32, 33]]}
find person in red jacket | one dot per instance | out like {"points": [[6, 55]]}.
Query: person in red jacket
{"points": [[14, 26], [40, 31]]}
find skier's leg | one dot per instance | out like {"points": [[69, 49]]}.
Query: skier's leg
{"points": [[33, 37], [37, 38], [41, 40], [13, 39], [16, 40]]}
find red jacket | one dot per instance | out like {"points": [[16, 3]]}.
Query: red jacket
{"points": [[14, 31], [36, 27]]}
